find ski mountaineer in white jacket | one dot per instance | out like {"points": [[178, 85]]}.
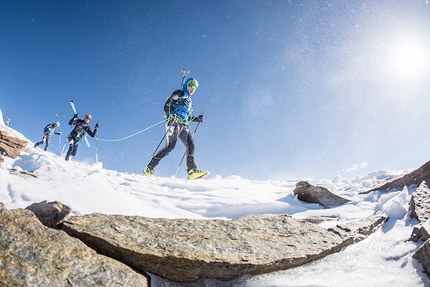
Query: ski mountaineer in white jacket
{"points": [[48, 131], [178, 109]]}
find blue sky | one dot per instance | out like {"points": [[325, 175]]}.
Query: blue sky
{"points": [[289, 89]]}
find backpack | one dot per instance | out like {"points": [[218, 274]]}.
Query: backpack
{"points": [[169, 102], [47, 128]]}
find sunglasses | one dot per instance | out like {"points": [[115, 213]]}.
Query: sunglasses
{"points": [[193, 85]]}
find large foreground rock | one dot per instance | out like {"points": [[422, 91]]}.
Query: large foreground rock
{"points": [[317, 194], [32, 254], [186, 250]]}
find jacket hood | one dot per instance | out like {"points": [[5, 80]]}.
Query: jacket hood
{"points": [[184, 87]]}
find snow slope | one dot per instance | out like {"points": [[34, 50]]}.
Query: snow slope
{"points": [[383, 259]]}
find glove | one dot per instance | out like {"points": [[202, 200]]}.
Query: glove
{"points": [[97, 125], [59, 133], [199, 119], [185, 102], [76, 116]]}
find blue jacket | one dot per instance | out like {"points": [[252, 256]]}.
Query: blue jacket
{"points": [[175, 104]]}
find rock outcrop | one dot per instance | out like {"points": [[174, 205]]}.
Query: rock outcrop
{"points": [[415, 177], [186, 250], [423, 255], [51, 214], [420, 209], [10, 146], [421, 233], [32, 254], [317, 194], [420, 203]]}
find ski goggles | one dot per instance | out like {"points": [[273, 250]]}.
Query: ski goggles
{"points": [[193, 84]]}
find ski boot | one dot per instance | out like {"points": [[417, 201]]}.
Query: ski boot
{"points": [[195, 174], [148, 171]]}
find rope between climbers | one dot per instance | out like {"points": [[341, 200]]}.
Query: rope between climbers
{"points": [[127, 137]]}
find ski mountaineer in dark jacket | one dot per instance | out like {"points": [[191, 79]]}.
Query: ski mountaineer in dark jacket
{"points": [[78, 133], [178, 109], [48, 131]]}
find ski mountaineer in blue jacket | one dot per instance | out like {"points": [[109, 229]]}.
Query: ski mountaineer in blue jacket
{"points": [[178, 110], [78, 133], [48, 131]]}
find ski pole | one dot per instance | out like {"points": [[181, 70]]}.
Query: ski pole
{"points": [[184, 75], [97, 145], [195, 130], [156, 149]]}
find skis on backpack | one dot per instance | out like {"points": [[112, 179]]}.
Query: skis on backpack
{"points": [[72, 104]]}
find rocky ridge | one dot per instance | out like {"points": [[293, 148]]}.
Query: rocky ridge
{"points": [[119, 250]]}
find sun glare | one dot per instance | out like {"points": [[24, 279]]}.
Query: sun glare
{"points": [[410, 59]]}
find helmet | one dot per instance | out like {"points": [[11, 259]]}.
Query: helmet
{"points": [[88, 116], [57, 124], [193, 84]]}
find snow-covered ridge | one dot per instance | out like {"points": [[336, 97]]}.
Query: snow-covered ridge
{"points": [[90, 188]]}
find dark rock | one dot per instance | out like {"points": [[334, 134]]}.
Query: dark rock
{"points": [[421, 233], [51, 214], [316, 194], [416, 234]]}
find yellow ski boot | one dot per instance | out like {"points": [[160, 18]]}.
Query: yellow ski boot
{"points": [[147, 171], [195, 174]]}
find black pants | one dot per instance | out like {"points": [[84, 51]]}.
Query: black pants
{"points": [[175, 131], [45, 138], [73, 148]]}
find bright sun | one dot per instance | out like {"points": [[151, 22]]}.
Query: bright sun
{"points": [[410, 59]]}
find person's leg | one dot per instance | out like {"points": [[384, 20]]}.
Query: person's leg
{"points": [[171, 138], [69, 152], [47, 139], [75, 149], [188, 141]]}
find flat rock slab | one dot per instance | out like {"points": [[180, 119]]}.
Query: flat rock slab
{"points": [[32, 254], [186, 250]]}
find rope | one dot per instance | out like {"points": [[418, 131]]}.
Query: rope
{"points": [[127, 137]]}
